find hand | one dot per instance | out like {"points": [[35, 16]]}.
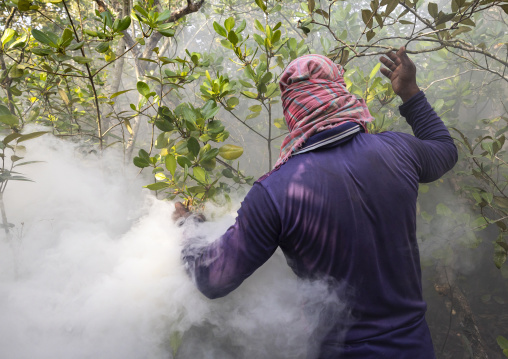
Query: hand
{"points": [[180, 211], [402, 73], [183, 212]]}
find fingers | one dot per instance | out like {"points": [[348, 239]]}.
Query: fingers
{"points": [[394, 57], [388, 63], [401, 53], [386, 72]]}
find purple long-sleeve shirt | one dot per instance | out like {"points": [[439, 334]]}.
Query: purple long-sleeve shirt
{"points": [[347, 211]]}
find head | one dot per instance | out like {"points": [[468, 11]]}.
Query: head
{"points": [[311, 67], [314, 99]]}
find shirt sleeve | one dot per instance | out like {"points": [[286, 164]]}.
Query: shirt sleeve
{"points": [[433, 146], [222, 266]]}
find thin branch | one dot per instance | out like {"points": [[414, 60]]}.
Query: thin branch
{"points": [[90, 77]]}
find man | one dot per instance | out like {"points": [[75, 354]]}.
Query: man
{"points": [[341, 204]]}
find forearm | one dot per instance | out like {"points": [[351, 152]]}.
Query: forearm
{"points": [[424, 121], [220, 267], [433, 147]]}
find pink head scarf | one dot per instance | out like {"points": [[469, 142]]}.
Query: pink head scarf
{"points": [[314, 99]]}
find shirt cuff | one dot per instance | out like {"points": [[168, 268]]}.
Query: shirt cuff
{"points": [[405, 108]]}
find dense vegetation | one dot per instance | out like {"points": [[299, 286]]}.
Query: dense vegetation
{"points": [[189, 91]]}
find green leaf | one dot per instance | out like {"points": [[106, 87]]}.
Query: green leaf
{"points": [[258, 26], [229, 24], [169, 32], [163, 16], [7, 36], [219, 29], [144, 155], [443, 210], [42, 38], [267, 77], [249, 94], [261, 5], [170, 163], [259, 40], [66, 38], [16, 71], [27, 163], [116, 94], [480, 223], [158, 186], [24, 5], [10, 120], [232, 102], [82, 59], [276, 36], [41, 52], [444, 18], [161, 141], [367, 17], [241, 27], [124, 24], [140, 162], [312, 5], [193, 146], [233, 37], [374, 71], [460, 30], [143, 88], [75, 46], [4, 110], [370, 34], [30, 136], [175, 340], [392, 4], [499, 256], [252, 115], [255, 108], [433, 9], [488, 197], [199, 174], [208, 155], [10, 137], [230, 152], [164, 125], [323, 13], [183, 161], [102, 47]]}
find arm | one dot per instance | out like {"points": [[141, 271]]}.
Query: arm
{"points": [[222, 266], [433, 146], [435, 151]]}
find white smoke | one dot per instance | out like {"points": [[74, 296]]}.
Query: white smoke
{"points": [[93, 270]]}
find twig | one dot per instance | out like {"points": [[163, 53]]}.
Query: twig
{"points": [[90, 77]]}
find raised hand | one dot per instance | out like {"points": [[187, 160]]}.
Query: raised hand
{"points": [[402, 73]]}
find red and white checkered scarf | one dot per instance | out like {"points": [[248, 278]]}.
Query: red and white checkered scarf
{"points": [[314, 99]]}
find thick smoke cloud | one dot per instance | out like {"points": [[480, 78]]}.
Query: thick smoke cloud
{"points": [[93, 271]]}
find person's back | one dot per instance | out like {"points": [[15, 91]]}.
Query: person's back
{"points": [[342, 205], [349, 212]]}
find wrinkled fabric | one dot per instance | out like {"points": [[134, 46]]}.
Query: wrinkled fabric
{"points": [[315, 98], [347, 212]]}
